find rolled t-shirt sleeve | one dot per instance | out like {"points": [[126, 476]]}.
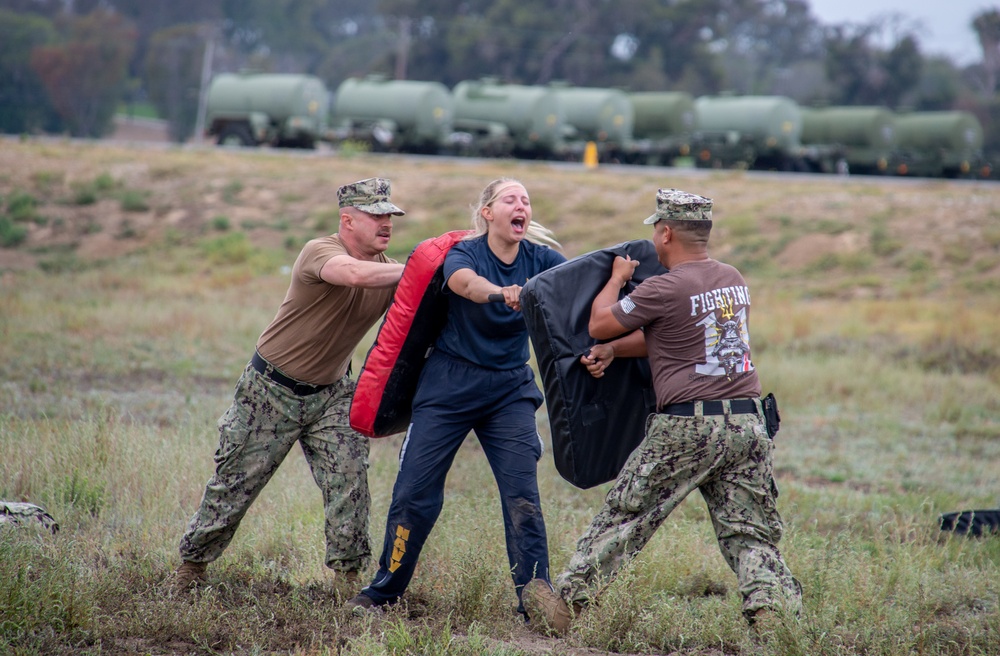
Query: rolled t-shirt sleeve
{"points": [[457, 258], [314, 256], [638, 308]]}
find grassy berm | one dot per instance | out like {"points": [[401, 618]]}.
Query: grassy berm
{"points": [[134, 281]]}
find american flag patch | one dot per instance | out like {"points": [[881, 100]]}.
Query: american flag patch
{"points": [[627, 305]]}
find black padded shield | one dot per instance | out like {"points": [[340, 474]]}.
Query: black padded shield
{"points": [[595, 422], [972, 522]]}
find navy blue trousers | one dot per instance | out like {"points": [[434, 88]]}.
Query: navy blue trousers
{"points": [[453, 398]]}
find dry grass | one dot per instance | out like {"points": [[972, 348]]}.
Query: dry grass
{"points": [[874, 322]]}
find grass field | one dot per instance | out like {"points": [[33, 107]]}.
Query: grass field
{"points": [[135, 281]]}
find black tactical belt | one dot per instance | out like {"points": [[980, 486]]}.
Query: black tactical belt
{"points": [[267, 369], [736, 407]]}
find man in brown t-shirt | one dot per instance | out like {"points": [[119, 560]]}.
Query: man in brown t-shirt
{"points": [[708, 433], [296, 389]]}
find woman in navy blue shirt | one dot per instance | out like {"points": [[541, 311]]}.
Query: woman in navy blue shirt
{"points": [[476, 379]]}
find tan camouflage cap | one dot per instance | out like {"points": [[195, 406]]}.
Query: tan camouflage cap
{"points": [[680, 206], [369, 195]]}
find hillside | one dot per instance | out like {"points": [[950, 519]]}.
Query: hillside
{"points": [[826, 236], [137, 277]]}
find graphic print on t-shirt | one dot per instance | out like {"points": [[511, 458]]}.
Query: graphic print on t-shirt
{"points": [[727, 340]]}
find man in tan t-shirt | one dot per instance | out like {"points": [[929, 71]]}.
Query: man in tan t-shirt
{"points": [[296, 389]]}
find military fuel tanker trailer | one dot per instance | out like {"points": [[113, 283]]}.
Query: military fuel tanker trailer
{"points": [[509, 119], [662, 128], [757, 132], [275, 109], [940, 144], [867, 135], [603, 116], [394, 115]]}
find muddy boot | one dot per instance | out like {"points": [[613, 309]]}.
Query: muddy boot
{"points": [[547, 611], [361, 604], [188, 575], [345, 583]]}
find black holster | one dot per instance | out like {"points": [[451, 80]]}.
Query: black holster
{"points": [[771, 415]]}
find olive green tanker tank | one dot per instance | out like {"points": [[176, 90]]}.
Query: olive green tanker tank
{"points": [[525, 121], [941, 144], [757, 131], [604, 116], [274, 109], [664, 123], [660, 114], [867, 134], [397, 115]]}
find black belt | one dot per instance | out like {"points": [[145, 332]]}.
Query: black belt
{"points": [[265, 368], [688, 409]]}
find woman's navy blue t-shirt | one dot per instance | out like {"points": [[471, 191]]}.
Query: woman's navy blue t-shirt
{"points": [[491, 335]]}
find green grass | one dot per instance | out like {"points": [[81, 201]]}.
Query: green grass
{"points": [[113, 373], [138, 110]]}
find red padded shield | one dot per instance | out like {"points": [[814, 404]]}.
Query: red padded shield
{"points": [[388, 380]]}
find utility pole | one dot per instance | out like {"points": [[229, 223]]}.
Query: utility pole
{"points": [[403, 52], [206, 76]]}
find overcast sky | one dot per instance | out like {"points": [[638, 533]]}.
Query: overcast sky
{"points": [[944, 24]]}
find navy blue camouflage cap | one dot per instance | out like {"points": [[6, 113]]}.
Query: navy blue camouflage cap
{"points": [[677, 205], [370, 195]]}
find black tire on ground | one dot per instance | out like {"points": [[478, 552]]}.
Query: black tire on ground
{"points": [[235, 135], [304, 143]]}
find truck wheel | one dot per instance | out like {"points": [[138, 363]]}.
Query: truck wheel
{"points": [[235, 135], [300, 142]]}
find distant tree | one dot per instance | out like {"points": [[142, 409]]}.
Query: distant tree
{"points": [[582, 42], [760, 41], [989, 115], [987, 27], [636, 44], [903, 65], [692, 36], [862, 73], [357, 54], [295, 33], [804, 82], [24, 105], [47, 8], [173, 76], [683, 36], [848, 65], [647, 74], [151, 16], [940, 85], [85, 74], [523, 45], [703, 47]]}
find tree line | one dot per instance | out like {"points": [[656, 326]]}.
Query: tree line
{"points": [[66, 66]]}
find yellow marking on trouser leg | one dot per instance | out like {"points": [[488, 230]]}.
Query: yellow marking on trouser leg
{"points": [[398, 547]]}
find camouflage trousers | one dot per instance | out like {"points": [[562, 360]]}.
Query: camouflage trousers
{"points": [[728, 459], [256, 433]]}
